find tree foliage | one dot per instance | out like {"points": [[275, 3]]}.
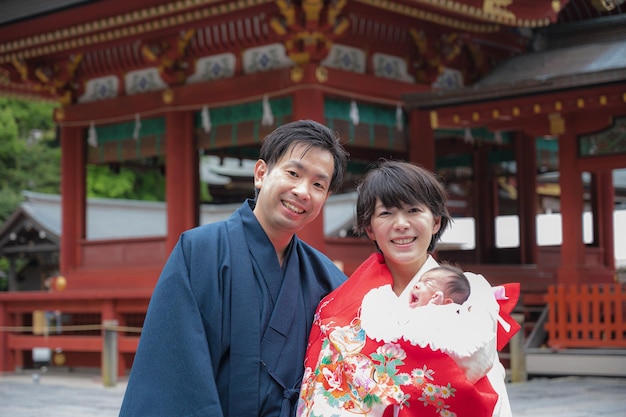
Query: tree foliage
{"points": [[127, 182], [30, 155], [30, 159]]}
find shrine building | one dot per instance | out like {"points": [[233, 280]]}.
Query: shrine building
{"points": [[520, 108]]}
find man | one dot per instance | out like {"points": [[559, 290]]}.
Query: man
{"points": [[228, 322]]}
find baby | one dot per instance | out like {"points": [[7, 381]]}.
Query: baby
{"points": [[442, 285], [446, 322]]}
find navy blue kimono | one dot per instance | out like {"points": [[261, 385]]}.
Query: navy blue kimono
{"points": [[226, 329]]}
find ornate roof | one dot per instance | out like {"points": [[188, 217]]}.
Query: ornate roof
{"points": [[563, 60], [54, 52]]}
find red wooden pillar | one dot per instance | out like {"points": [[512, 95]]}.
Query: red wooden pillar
{"points": [[181, 176], [73, 200], [527, 196], [484, 206], [7, 360], [603, 216], [309, 104], [421, 139], [571, 269]]}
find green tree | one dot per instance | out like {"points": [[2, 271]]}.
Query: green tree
{"points": [[30, 157], [132, 182], [29, 152]]}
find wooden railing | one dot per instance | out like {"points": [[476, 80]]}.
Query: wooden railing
{"points": [[75, 327], [586, 316]]}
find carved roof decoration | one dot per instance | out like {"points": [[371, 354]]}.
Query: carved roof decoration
{"points": [[54, 54]]}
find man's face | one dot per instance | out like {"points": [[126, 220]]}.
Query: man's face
{"points": [[293, 192]]}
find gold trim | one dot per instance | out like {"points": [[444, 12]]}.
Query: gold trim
{"points": [[110, 28], [434, 119], [492, 10], [430, 17], [168, 96], [59, 114], [557, 124], [321, 74], [296, 74]]}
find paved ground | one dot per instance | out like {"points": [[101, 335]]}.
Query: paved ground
{"points": [[63, 394]]}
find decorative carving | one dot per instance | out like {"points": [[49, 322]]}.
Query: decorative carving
{"points": [[56, 80], [265, 58], [170, 57], [213, 67], [497, 8], [606, 5], [433, 57], [321, 74], [610, 141], [308, 29]]}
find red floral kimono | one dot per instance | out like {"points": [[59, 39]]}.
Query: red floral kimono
{"points": [[349, 372]]}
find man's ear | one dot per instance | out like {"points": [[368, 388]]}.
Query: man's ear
{"points": [[260, 171]]}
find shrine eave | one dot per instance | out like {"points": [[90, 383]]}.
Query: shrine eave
{"points": [[481, 93], [227, 92]]}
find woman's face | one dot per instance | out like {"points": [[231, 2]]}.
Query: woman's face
{"points": [[403, 234]]}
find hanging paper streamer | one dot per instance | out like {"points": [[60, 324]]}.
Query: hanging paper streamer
{"points": [[137, 126], [268, 117], [467, 137], [354, 113], [206, 119], [498, 137], [92, 136], [399, 118]]}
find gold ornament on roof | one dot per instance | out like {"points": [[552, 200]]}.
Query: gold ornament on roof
{"points": [[497, 8]]}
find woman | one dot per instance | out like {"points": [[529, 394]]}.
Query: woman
{"points": [[348, 371]]}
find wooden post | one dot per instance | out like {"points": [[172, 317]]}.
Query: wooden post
{"points": [[422, 139], [518, 353], [181, 176], [572, 267], [73, 190], [109, 353]]}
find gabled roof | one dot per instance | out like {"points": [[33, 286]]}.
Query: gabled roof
{"points": [[557, 65], [27, 231]]}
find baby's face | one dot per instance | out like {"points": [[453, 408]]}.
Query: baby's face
{"points": [[424, 290]]}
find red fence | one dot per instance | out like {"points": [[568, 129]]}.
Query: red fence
{"points": [[73, 326], [586, 316]]}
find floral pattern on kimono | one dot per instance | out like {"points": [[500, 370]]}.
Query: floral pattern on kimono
{"points": [[350, 373], [357, 376]]}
